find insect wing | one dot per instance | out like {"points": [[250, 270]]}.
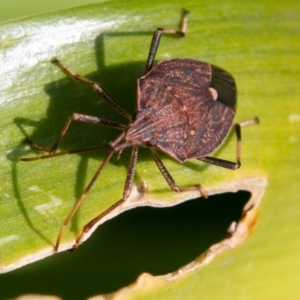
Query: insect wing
{"points": [[192, 105], [195, 124]]}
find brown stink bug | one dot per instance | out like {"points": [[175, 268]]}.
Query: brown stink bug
{"points": [[185, 108]]}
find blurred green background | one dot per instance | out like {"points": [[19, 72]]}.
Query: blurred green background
{"points": [[10, 9]]}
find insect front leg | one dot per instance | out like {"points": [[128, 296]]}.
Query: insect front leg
{"points": [[126, 193], [157, 35], [84, 119], [96, 87], [229, 164], [79, 118], [81, 199], [171, 182]]}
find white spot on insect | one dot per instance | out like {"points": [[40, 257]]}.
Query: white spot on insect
{"points": [[213, 93], [192, 132], [53, 200], [294, 118], [8, 239]]}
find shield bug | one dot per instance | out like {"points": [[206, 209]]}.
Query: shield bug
{"points": [[185, 108]]}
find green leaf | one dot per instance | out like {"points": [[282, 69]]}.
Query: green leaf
{"points": [[258, 43]]}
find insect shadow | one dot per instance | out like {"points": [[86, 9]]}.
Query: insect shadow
{"points": [[67, 96]]}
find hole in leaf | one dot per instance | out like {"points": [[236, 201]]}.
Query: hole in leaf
{"points": [[146, 239]]}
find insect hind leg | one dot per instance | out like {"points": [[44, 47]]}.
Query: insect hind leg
{"points": [[171, 182], [226, 163]]}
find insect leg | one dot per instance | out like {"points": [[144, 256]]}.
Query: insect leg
{"points": [[229, 164], [171, 182], [79, 118], [126, 193], [61, 153], [80, 200], [157, 35], [96, 87]]}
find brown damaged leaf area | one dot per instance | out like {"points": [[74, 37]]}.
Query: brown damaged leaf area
{"points": [[238, 232]]}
